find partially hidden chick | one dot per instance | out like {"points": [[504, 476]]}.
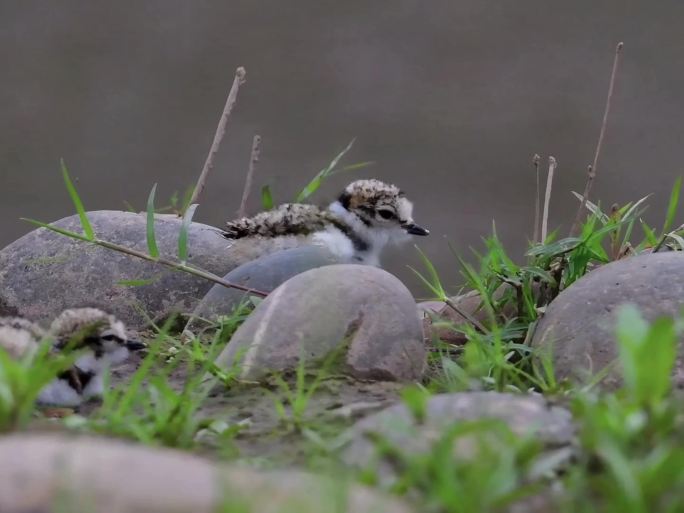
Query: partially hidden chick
{"points": [[99, 336]]}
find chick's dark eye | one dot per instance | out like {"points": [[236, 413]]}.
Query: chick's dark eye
{"points": [[111, 338], [386, 214]]}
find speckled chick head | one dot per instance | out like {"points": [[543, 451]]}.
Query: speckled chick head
{"points": [[380, 205], [19, 336], [93, 329], [20, 323]]}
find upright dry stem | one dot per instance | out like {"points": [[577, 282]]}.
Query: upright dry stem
{"points": [[240, 74], [254, 158], [537, 206], [547, 198], [592, 171]]}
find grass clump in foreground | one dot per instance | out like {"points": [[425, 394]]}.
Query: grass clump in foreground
{"points": [[627, 457], [629, 444]]}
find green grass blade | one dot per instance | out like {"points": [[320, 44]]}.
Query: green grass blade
{"points": [[672, 205], [137, 283], [183, 235], [151, 239], [432, 281], [317, 180], [354, 167], [649, 233], [56, 229], [266, 198], [85, 223], [592, 207]]}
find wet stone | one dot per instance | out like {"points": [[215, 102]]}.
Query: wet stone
{"points": [[361, 317], [579, 325], [50, 473]]}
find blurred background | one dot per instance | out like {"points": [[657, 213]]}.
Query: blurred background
{"points": [[450, 99]]}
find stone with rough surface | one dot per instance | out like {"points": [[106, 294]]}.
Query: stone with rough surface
{"points": [[49, 473], [363, 312], [579, 325], [43, 273], [525, 415]]}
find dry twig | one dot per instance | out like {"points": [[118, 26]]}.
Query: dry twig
{"points": [[254, 158], [592, 169], [472, 320], [177, 265], [547, 198], [537, 207], [240, 74]]}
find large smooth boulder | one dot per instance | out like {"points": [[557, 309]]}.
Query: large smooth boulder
{"points": [[363, 316], [414, 434], [46, 473], [43, 273], [264, 274], [579, 325]]}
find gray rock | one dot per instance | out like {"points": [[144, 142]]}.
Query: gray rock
{"points": [[524, 415], [363, 312], [42, 272], [579, 325], [265, 274], [54, 473]]}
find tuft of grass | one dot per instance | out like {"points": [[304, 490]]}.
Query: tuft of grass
{"points": [[315, 183], [75, 198], [266, 198], [631, 440], [151, 239], [150, 408], [514, 295], [296, 397], [21, 381], [183, 233], [470, 466]]}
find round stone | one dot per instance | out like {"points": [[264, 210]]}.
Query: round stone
{"points": [[51, 472], [264, 274], [578, 327], [403, 429], [42, 273], [362, 316]]}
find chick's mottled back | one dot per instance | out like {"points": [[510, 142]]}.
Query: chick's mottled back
{"points": [[286, 219]]}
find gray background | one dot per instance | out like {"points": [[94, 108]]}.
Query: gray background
{"points": [[449, 98]]}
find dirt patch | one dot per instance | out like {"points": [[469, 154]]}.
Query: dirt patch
{"points": [[264, 437]]}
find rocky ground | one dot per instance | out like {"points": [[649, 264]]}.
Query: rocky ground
{"points": [[370, 406]]}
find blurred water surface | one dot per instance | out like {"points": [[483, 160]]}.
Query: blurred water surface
{"points": [[449, 98]]}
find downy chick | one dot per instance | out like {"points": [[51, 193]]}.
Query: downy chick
{"points": [[100, 336], [367, 216]]}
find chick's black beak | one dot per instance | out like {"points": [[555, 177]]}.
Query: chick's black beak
{"points": [[134, 345], [414, 229]]}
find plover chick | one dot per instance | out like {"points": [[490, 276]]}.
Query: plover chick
{"points": [[367, 216], [18, 336], [99, 336]]}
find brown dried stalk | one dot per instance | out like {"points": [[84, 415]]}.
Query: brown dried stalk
{"points": [[472, 320], [176, 265], [592, 169], [535, 163], [254, 158], [240, 74], [547, 198]]}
